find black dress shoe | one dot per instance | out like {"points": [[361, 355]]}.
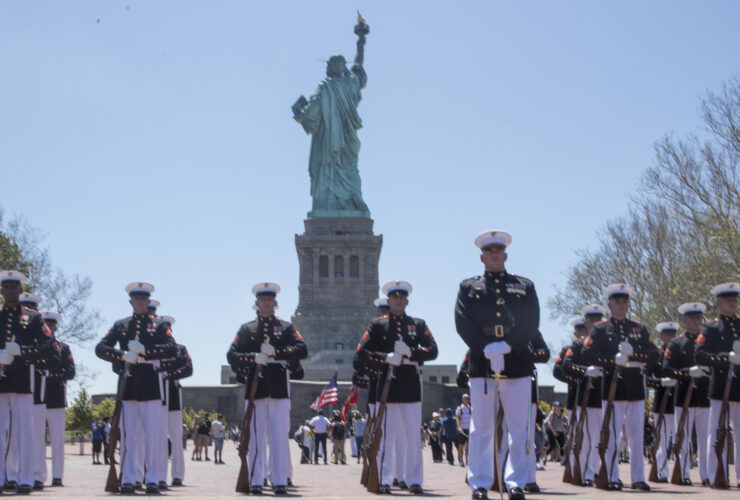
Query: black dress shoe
{"points": [[516, 494], [290, 483], [127, 489], [139, 486], [706, 482], [152, 489], [24, 489], [256, 489], [415, 489], [614, 486], [38, 485], [641, 485], [395, 483], [163, 485], [11, 485], [531, 488], [177, 482], [662, 479], [57, 481], [280, 490], [384, 489], [401, 485], [480, 494], [686, 482], [587, 482]]}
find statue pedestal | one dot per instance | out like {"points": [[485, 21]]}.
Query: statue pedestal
{"points": [[338, 281]]}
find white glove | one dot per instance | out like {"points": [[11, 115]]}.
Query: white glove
{"points": [[394, 359], [402, 348], [736, 346], [621, 359], [261, 358], [495, 348], [130, 357], [497, 363], [13, 348], [668, 382], [5, 357], [697, 371], [137, 347], [594, 371], [735, 358], [626, 348], [268, 349]]}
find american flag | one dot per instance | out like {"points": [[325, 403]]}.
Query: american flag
{"points": [[328, 394]]}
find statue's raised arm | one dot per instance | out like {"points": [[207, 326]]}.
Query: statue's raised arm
{"points": [[361, 30]]}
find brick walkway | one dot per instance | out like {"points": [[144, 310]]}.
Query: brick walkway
{"points": [[205, 479]]}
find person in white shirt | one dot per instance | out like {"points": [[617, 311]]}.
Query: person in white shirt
{"points": [[320, 425], [218, 431], [463, 429]]}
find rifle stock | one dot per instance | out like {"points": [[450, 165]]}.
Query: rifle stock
{"points": [[242, 481], [720, 476], [568, 473], [497, 481], [369, 437], [373, 477], [602, 481], [113, 483], [577, 478], [677, 475], [653, 477]]}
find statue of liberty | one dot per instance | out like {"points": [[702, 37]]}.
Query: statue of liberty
{"points": [[331, 117]]}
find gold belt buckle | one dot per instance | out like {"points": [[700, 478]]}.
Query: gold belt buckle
{"points": [[498, 330]]}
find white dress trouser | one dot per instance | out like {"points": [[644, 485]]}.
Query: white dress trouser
{"points": [[401, 419], [55, 419], [700, 418], [532, 457], [174, 429], [14, 430], [141, 428], [514, 394], [631, 414], [162, 455], [589, 456], [39, 443], [271, 416], [715, 407], [399, 457], [667, 435]]}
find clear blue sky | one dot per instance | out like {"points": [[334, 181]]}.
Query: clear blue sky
{"points": [[153, 140]]}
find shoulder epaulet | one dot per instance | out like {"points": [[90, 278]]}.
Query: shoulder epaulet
{"points": [[249, 323], [603, 321], [713, 321], [523, 280], [470, 280]]}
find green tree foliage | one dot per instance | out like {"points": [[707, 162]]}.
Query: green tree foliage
{"points": [[680, 234], [104, 409], [80, 415]]}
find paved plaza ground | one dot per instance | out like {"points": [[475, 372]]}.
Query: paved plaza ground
{"points": [[205, 479]]}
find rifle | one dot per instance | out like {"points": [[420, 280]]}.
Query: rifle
{"points": [[568, 473], [677, 476], [602, 481], [113, 484], [498, 410], [373, 477], [720, 477], [243, 481], [658, 429], [577, 479], [369, 437]]}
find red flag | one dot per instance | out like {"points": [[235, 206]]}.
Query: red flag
{"points": [[351, 400]]}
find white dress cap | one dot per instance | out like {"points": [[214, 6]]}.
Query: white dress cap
{"points": [[12, 276], [32, 298], [380, 302], [397, 286], [168, 319], [577, 322], [692, 308], [668, 325], [139, 288], [51, 316], [594, 309], [154, 303], [726, 289], [618, 289], [266, 288], [493, 237]]}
